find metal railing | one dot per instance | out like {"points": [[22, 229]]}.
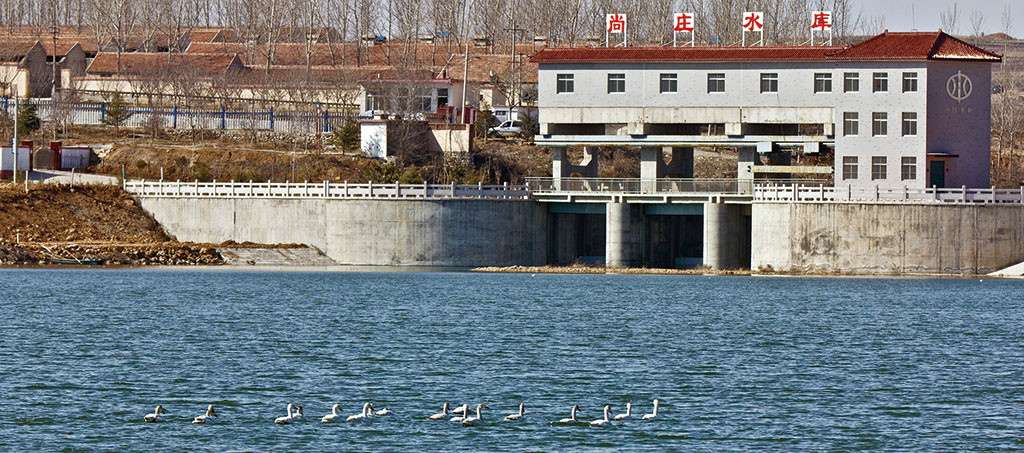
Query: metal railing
{"points": [[819, 193], [345, 190], [644, 186]]}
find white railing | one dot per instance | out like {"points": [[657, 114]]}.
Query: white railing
{"points": [[818, 193], [541, 185], [345, 190]]}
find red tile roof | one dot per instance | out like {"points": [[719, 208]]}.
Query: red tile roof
{"points": [[915, 46], [884, 47], [151, 63]]}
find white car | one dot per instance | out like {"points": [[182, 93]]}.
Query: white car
{"points": [[507, 129]]}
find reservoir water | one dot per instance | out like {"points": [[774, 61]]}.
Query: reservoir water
{"points": [[739, 363]]}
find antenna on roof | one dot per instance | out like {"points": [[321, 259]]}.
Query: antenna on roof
{"points": [[913, 18]]}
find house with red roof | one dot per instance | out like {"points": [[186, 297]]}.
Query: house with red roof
{"points": [[896, 110]]}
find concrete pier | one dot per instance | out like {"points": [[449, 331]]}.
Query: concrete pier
{"points": [[623, 235], [722, 235]]}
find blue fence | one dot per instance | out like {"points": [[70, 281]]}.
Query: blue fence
{"points": [[180, 118]]}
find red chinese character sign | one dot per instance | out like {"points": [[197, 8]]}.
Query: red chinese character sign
{"points": [[616, 23], [753, 22], [821, 21], [682, 23]]}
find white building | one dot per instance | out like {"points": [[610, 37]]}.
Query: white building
{"points": [[899, 109]]}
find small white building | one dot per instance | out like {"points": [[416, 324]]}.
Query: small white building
{"points": [[899, 109]]}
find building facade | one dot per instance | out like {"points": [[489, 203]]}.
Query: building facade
{"points": [[899, 109]]}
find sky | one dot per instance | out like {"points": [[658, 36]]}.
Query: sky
{"points": [[925, 16]]}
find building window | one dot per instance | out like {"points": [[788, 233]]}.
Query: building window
{"points": [[877, 167], [442, 97], [909, 124], [822, 82], [850, 167], [909, 82], [769, 82], [564, 84], [851, 82], [879, 124], [669, 83], [375, 101], [616, 83], [909, 168], [851, 124], [880, 83], [716, 82]]}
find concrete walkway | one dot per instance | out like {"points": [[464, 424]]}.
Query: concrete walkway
{"points": [[64, 177], [1017, 270]]}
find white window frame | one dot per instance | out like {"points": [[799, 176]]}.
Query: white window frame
{"points": [[717, 78], [569, 81], [822, 82], [672, 79], [879, 124], [851, 82], [619, 78], [909, 121], [848, 119]]}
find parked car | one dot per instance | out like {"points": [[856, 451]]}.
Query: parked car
{"points": [[507, 129]]}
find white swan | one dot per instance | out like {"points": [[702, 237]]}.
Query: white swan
{"points": [[209, 417], [572, 419], [603, 422], [287, 419], [473, 421], [298, 414], [519, 416], [333, 417], [155, 416], [442, 415], [363, 416], [383, 413], [464, 410], [629, 413], [652, 414]]}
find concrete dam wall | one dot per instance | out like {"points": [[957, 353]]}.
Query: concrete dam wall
{"points": [[886, 238], [451, 232]]}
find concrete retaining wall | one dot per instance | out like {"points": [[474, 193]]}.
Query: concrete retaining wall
{"points": [[878, 238], [368, 232]]}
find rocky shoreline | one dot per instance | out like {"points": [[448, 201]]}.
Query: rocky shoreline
{"points": [[159, 254]]}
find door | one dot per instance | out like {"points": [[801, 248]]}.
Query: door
{"points": [[937, 174]]}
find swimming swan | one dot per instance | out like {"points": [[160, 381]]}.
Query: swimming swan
{"points": [[155, 416], [629, 413], [473, 421], [333, 417], [363, 416], [298, 414], [442, 415], [383, 412], [603, 422], [287, 419], [209, 417], [653, 414], [572, 419], [519, 416], [464, 410]]}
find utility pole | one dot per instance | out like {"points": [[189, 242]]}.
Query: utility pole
{"points": [[53, 83], [465, 66], [14, 141], [514, 31]]}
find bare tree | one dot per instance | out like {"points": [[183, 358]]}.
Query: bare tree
{"points": [[950, 19], [977, 20], [1007, 20]]}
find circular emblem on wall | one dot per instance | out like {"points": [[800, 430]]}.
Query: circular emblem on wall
{"points": [[959, 87]]}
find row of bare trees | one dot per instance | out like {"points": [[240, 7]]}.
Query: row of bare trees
{"points": [[567, 22]]}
